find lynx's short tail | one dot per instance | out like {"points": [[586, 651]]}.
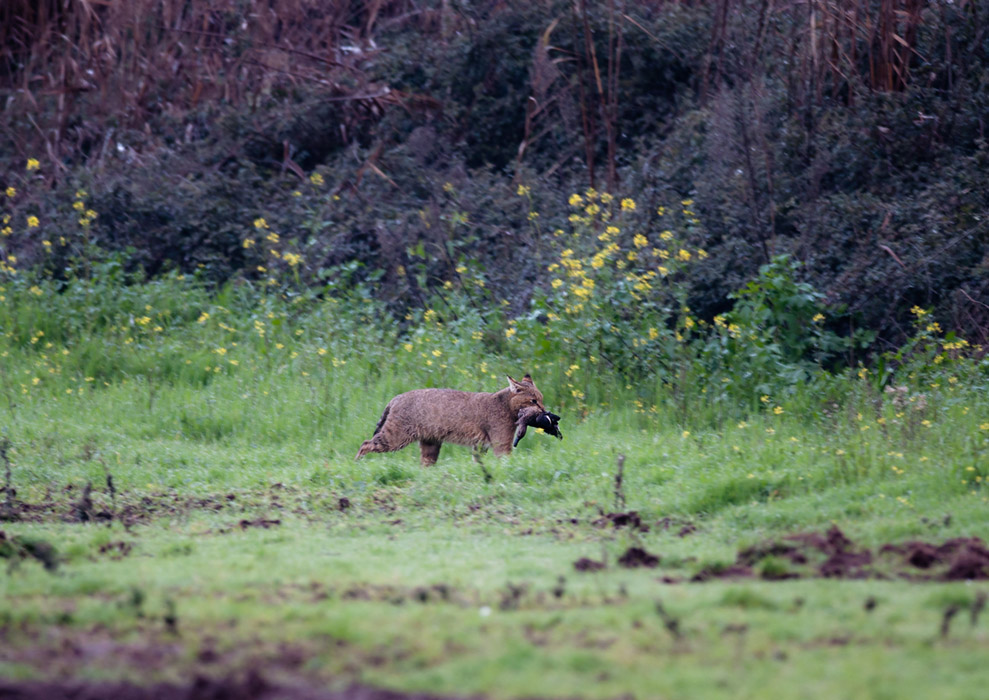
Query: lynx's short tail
{"points": [[381, 422]]}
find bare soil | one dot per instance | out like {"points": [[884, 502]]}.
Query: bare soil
{"points": [[834, 555], [253, 687]]}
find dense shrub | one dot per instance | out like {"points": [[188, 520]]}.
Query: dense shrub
{"points": [[398, 160]]}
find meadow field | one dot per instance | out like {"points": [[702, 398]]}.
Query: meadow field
{"points": [[181, 506]]}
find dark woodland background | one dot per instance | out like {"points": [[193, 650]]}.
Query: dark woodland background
{"points": [[849, 134]]}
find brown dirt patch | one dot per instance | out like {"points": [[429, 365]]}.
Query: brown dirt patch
{"points": [[253, 687], [585, 564], [833, 555], [258, 522], [631, 519], [117, 549], [636, 557]]}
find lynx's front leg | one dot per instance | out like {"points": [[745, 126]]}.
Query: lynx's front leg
{"points": [[477, 452]]}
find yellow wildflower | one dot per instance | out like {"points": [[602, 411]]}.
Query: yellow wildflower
{"points": [[33, 164], [628, 204], [33, 222]]}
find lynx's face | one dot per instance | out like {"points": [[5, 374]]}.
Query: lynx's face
{"points": [[525, 396]]}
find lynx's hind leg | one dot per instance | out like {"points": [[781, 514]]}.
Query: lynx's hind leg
{"points": [[429, 451], [384, 439]]}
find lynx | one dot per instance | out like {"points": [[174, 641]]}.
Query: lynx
{"points": [[475, 419]]}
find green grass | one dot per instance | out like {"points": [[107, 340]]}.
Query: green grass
{"points": [[435, 579]]}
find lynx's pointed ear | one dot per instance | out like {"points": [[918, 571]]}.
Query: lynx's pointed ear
{"points": [[527, 378], [515, 386]]}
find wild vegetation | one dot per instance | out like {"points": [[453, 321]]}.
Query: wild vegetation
{"points": [[848, 135], [740, 248]]}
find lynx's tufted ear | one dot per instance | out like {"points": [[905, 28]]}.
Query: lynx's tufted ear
{"points": [[516, 387]]}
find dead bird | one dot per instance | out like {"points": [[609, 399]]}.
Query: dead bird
{"points": [[544, 420]]}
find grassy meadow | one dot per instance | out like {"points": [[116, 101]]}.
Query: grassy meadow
{"points": [[239, 533]]}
